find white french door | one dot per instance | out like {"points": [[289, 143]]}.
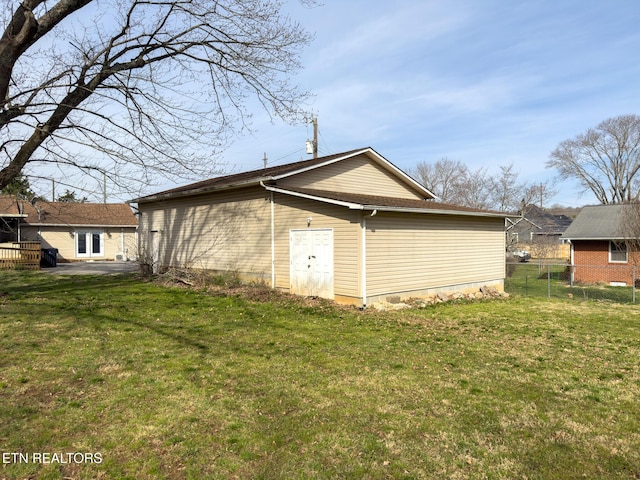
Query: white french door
{"points": [[89, 243]]}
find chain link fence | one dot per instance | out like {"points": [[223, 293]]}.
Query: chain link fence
{"points": [[615, 283]]}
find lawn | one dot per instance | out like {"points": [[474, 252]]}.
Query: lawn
{"points": [[115, 377], [533, 280]]}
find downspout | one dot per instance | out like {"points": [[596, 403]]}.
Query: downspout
{"points": [[273, 242], [273, 236], [363, 256], [363, 260], [572, 261]]}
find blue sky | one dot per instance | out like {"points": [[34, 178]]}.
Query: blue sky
{"points": [[486, 82]]}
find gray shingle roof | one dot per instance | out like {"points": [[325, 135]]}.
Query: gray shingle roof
{"points": [[599, 222]]}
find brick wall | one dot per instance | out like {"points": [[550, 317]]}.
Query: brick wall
{"points": [[591, 260]]}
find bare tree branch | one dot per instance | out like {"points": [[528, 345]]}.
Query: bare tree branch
{"points": [[604, 159], [158, 85]]}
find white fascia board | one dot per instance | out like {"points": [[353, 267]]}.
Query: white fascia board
{"points": [[390, 166], [434, 211], [352, 206]]}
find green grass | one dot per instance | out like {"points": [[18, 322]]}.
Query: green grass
{"points": [[533, 280], [172, 383]]}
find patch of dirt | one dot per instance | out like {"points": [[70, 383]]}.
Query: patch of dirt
{"points": [[231, 286]]}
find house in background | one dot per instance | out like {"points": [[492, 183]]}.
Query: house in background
{"points": [[599, 251], [11, 214], [350, 227], [79, 231], [539, 232]]}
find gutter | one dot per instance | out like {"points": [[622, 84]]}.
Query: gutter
{"points": [[198, 191], [77, 225], [383, 208], [596, 239]]}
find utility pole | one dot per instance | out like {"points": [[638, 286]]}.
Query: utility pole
{"points": [[315, 137], [265, 160], [312, 145]]}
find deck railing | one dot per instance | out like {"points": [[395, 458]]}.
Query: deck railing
{"points": [[20, 255]]}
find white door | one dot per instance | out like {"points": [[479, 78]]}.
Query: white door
{"points": [[89, 243], [311, 271]]}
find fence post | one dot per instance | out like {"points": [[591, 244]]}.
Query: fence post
{"points": [[548, 281], [633, 284]]}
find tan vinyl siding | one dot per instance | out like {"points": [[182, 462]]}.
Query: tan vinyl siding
{"points": [[228, 231], [417, 252], [63, 238], [292, 213], [355, 175]]}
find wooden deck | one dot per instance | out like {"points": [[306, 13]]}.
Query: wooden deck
{"points": [[20, 256]]}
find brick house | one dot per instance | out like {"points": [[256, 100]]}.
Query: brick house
{"points": [[599, 249]]}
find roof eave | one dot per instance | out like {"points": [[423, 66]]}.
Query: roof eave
{"points": [[384, 208], [435, 211], [200, 191], [591, 238], [77, 225]]}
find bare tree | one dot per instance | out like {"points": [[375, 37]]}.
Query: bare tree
{"points": [[453, 182], [474, 189], [441, 178], [604, 159], [506, 191], [149, 87], [538, 193]]}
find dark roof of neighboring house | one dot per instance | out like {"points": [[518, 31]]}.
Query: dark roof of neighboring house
{"points": [[599, 222], [68, 213], [273, 173], [539, 220]]}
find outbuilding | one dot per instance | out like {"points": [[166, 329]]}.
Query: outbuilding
{"points": [[351, 227]]}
